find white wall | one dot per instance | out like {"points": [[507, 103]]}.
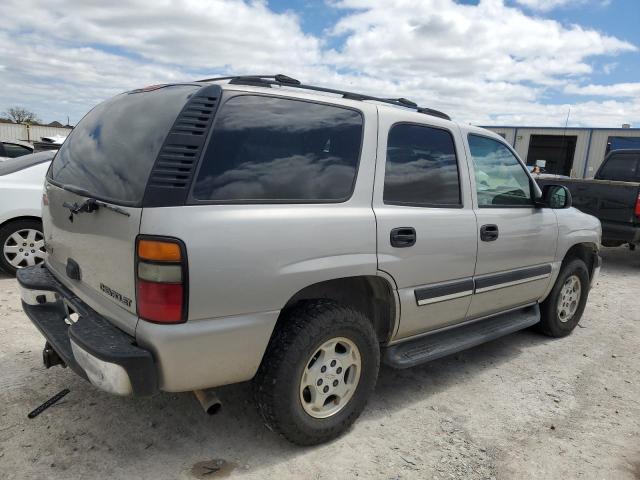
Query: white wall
{"points": [[12, 131]]}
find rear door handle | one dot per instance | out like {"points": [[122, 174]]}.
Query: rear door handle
{"points": [[489, 233], [403, 237]]}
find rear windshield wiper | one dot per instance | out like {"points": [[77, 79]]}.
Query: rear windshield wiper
{"points": [[91, 205], [76, 190]]}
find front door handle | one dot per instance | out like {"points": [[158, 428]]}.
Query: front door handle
{"points": [[489, 233], [403, 237]]}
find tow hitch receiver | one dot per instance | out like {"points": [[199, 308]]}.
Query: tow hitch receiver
{"points": [[50, 358]]}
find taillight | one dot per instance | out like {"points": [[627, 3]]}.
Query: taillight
{"points": [[161, 280], [637, 209]]}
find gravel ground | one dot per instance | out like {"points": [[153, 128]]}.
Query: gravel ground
{"points": [[524, 406]]}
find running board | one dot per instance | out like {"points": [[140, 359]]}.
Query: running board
{"points": [[440, 344]]}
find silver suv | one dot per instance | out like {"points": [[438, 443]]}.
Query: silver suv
{"points": [[255, 228]]}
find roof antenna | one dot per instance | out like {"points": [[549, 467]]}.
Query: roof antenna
{"points": [[564, 136]]}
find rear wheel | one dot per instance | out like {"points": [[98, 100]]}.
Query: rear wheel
{"points": [[22, 243], [563, 308], [318, 372]]}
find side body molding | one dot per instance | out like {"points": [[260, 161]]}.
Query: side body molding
{"points": [[441, 292]]}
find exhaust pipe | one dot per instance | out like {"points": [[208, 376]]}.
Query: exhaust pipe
{"points": [[210, 402]]}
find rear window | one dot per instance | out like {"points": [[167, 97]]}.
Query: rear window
{"points": [[13, 150], [111, 152], [266, 149], [620, 167]]}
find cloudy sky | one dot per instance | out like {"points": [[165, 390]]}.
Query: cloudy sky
{"points": [[488, 62]]}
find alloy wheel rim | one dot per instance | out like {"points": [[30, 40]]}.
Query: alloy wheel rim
{"points": [[330, 377], [569, 298], [24, 248]]}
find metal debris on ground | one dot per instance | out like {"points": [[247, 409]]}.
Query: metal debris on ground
{"points": [[48, 403]]}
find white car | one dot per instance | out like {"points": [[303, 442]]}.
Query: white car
{"points": [[14, 149], [21, 181]]}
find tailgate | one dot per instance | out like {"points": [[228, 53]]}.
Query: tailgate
{"points": [[102, 244]]}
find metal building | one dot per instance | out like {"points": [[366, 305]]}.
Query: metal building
{"points": [[576, 152]]}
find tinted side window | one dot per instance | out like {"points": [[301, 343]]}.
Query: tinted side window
{"points": [[13, 151], [275, 149], [421, 167], [620, 167], [500, 178]]}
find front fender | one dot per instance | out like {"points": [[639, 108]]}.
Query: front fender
{"points": [[14, 214], [575, 227]]}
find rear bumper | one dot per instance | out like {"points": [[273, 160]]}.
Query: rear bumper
{"points": [[92, 347]]}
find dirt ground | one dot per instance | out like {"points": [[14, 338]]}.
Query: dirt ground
{"points": [[524, 406]]}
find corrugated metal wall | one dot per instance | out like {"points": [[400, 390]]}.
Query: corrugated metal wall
{"points": [[524, 136], [507, 133], [12, 131], [596, 137], [599, 146]]}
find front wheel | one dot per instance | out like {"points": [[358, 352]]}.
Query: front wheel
{"points": [[563, 308], [318, 372]]}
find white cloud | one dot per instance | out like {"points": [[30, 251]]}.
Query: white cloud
{"points": [[486, 64], [96, 51], [473, 61], [631, 90], [546, 5], [189, 33]]}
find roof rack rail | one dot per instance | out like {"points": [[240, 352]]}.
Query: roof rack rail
{"points": [[284, 80]]}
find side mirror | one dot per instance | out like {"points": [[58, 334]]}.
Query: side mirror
{"points": [[555, 196]]}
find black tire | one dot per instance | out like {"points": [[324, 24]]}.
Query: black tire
{"points": [[9, 229], [298, 335], [551, 324]]}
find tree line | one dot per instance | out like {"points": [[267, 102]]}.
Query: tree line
{"points": [[21, 115]]}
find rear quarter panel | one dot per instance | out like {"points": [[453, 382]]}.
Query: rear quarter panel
{"points": [[253, 258]]}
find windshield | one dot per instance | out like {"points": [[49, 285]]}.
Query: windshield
{"points": [[111, 152]]}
